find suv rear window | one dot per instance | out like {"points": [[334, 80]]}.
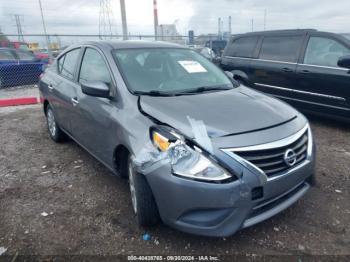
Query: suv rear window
{"points": [[280, 48], [242, 47]]}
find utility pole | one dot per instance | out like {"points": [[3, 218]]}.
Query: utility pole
{"points": [[265, 16], [45, 32], [252, 25], [155, 14], [124, 24], [19, 28], [230, 25]]}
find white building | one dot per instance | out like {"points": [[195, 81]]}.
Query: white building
{"points": [[167, 32]]}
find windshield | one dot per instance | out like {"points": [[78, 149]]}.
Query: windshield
{"points": [[169, 71]]}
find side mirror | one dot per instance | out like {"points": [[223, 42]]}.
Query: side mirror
{"points": [[229, 74], [344, 61], [95, 88]]}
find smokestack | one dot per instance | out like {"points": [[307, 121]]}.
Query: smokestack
{"points": [[230, 25], [219, 27], [155, 14]]}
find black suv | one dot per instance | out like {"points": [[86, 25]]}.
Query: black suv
{"points": [[307, 68]]}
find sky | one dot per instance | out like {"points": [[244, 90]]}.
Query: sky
{"points": [[82, 16]]}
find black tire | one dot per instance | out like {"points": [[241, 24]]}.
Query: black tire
{"points": [[146, 209], [242, 81], [55, 132]]}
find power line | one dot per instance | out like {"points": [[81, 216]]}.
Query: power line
{"points": [[45, 32], [19, 28], [105, 19]]}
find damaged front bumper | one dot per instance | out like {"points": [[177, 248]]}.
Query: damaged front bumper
{"points": [[222, 209]]}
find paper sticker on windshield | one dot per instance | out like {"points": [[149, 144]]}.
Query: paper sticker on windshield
{"points": [[192, 66]]}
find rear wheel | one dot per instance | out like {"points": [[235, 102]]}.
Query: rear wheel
{"points": [[55, 132], [143, 202], [242, 81]]}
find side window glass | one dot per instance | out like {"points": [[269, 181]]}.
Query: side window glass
{"points": [[284, 48], [243, 47], [25, 55], [6, 55], [68, 65], [324, 52], [60, 63], [94, 68]]}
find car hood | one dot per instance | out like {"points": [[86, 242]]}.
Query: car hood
{"points": [[224, 113]]}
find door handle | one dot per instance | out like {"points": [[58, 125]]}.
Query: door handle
{"points": [[50, 87], [74, 101], [305, 71], [287, 70]]}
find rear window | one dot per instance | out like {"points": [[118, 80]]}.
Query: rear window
{"points": [[67, 63], [242, 47], [281, 48]]}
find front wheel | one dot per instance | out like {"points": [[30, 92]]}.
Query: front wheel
{"points": [[55, 132], [143, 202]]}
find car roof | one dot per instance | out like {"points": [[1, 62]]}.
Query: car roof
{"points": [[292, 32], [7, 48], [128, 44], [279, 32]]}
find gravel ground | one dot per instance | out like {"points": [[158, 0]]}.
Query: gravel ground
{"points": [[56, 199], [19, 91]]}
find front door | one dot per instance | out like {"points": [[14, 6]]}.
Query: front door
{"points": [[322, 83], [92, 123]]}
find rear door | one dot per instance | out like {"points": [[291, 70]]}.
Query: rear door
{"points": [[274, 70], [238, 55], [62, 88], [322, 84]]}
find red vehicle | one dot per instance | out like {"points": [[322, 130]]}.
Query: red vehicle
{"points": [[42, 54], [14, 44]]}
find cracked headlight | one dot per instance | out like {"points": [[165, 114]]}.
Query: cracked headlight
{"points": [[187, 161]]}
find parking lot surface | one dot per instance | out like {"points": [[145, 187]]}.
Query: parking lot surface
{"points": [[56, 199]]}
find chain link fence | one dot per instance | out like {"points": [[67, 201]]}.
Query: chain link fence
{"points": [[20, 73]]}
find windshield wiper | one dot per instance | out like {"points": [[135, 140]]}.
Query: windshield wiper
{"points": [[197, 90], [154, 93], [203, 89]]}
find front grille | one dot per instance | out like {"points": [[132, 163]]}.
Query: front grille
{"points": [[271, 161]]}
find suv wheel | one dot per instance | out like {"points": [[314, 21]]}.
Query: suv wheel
{"points": [[55, 132], [143, 202]]}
